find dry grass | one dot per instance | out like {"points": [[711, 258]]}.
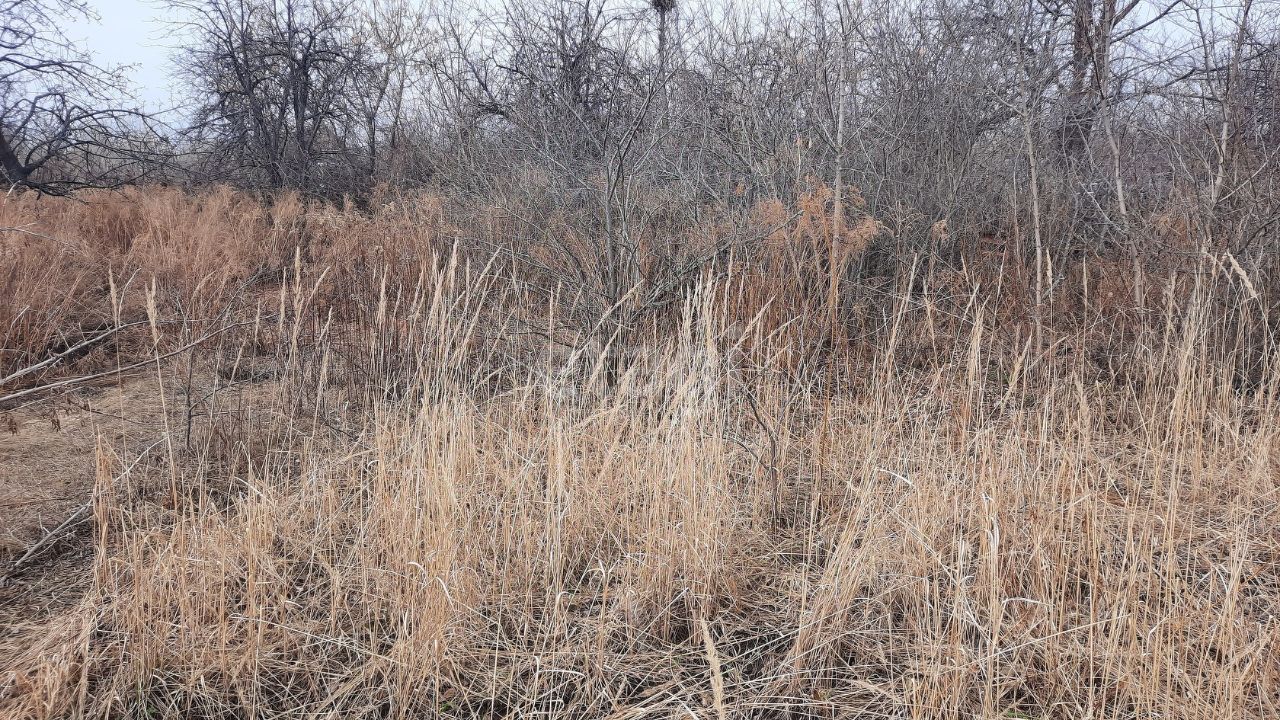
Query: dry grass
{"points": [[439, 512]]}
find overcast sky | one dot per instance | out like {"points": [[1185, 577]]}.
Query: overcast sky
{"points": [[131, 32]]}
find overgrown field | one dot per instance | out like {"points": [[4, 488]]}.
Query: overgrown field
{"points": [[403, 468]]}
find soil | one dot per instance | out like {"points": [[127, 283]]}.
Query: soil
{"points": [[48, 460]]}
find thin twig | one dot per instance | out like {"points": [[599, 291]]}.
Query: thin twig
{"points": [[119, 371], [773, 455]]}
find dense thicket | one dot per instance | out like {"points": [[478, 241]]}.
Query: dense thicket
{"points": [[1081, 125], [601, 359]]}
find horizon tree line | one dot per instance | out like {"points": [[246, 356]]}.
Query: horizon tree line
{"points": [[1079, 121]]}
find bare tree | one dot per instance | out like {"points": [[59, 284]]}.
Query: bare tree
{"points": [[64, 123], [270, 81], [393, 43]]}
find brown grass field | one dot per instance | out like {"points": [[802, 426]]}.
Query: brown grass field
{"points": [[287, 460]]}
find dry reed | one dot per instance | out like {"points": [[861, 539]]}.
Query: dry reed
{"points": [[443, 514]]}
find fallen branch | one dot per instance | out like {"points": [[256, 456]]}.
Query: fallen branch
{"points": [[118, 371], [53, 360], [74, 520], [24, 231], [48, 540]]}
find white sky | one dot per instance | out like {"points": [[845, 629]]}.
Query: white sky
{"points": [[131, 32]]}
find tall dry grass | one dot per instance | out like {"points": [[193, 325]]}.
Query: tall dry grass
{"points": [[442, 513]]}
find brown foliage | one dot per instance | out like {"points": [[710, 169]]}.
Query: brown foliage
{"points": [[943, 511]]}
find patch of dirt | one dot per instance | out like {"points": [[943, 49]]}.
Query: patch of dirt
{"points": [[47, 453], [48, 459]]}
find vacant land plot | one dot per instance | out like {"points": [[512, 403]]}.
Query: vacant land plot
{"points": [[327, 463]]}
